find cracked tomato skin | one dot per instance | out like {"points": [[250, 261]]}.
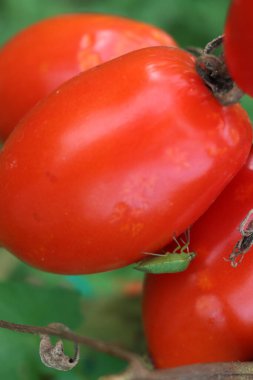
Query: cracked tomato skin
{"points": [[205, 314], [46, 54], [238, 44], [116, 161]]}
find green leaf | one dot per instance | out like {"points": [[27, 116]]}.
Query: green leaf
{"points": [[23, 303]]}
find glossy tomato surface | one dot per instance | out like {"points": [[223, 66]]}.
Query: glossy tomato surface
{"points": [[238, 43], [205, 314], [115, 162], [46, 54]]}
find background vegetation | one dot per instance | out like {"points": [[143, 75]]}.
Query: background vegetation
{"points": [[107, 305]]}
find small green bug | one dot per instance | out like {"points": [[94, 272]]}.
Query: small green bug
{"points": [[169, 262]]}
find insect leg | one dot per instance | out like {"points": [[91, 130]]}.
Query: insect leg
{"points": [[187, 236], [185, 242], [236, 258], [178, 244], [244, 230], [237, 251]]}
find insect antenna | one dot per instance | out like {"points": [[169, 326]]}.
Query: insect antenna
{"points": [[153, 254]]}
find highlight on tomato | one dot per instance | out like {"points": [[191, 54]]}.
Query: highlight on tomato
{"points": [[116, 161], [46, 54], [205, 314], [238, 43]]}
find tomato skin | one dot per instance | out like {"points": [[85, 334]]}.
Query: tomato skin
{"points": [[238, 44], [46, 54], [205, 314], [115, 162]]}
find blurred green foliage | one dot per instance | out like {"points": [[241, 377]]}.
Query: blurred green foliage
{"points": [[103, 305], [191, 22]]}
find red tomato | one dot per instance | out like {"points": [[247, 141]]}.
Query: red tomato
{"points": [[238, 44], [205, 314], [116, 161], [46, 54]]}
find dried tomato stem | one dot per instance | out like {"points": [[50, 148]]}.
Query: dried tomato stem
{"points": [[214, 72], [214, 44]]}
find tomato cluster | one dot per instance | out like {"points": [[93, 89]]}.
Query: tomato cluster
{"points": [[205, 314], [118, 141], [46, 54]]}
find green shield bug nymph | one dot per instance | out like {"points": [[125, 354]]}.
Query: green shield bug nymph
{"points": [[170, 262]]}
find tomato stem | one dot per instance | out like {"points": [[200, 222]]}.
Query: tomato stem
{"points": [[214, 44], [214, 72]]}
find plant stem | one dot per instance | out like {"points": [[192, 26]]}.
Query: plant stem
{"points": [[136, 369]]}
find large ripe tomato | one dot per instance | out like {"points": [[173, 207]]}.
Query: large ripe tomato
{"points": [[116, 161], [43, 56], [238, 43], [206, 313]]}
